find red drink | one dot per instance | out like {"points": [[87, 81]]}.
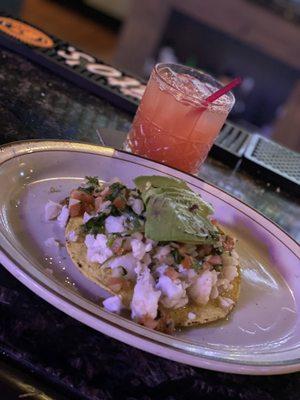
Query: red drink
{"points": [[173, 124]]}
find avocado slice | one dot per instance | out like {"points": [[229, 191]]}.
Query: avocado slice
{"points": [[157, 181], [174, 212]]}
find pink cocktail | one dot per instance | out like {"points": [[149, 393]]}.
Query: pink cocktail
{"points": [[174, 124]]}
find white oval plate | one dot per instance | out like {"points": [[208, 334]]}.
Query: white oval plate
{"points": [[262, 335]]}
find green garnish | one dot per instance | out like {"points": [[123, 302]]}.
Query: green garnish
{"points": [[88, 190], [92, 180], [114, 211], [197, 265], [92, 183], [177, 256], [111, 240], [116, 190], [219, 250], [95, 225]]}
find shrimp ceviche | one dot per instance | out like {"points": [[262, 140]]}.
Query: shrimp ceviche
{"points": [[155, 248]]}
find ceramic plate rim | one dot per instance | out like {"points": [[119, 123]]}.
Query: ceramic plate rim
{"points": [[15, 149]]}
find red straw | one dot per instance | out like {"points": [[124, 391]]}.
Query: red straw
{"points": [[223, 90]]}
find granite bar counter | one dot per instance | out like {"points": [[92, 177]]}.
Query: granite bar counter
{"points": [[62, 352]]}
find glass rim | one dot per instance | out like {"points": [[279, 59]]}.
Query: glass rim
{"points": [[217, 84]]}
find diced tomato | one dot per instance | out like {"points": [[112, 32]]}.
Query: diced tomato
{"points": [[171, 273], [127, 193], [98, 202], [117, 247], [215, 260], [127, 244], [204, 250], [120, 251], [229, 243], [206, 265], [75, 210], [82, 196], [88, 208], [115, 284], [182, 250], [214, 221], [116, 244], [187, 262], [148, 322], [86, 204], [119, 203]]}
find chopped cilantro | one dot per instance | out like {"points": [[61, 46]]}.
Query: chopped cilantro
{"points": [[114, 211], [177, 256], [111, 240], [136, 222], [92, 184], [215, 235], [95, 225], [197, 265], [219, 250], [115, 190], [92, 180], [88, 190]]}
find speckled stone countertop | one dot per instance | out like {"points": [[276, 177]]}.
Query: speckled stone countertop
{"points": [[36, 104]]}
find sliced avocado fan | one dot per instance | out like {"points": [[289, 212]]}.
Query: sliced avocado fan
{"points": [[174, 212]]}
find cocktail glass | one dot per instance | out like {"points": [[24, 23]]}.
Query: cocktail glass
{"points": [[174, 124]]}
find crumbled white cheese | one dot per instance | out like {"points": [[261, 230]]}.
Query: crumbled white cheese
{"points": [[127, 261], [113, 304], [148, 245], [188, 274], [97, 249], [104, 205], [63, 217], [161, 269], [117, 272], [201, 289], [114, 224], [146, 260], [136, 204], [229, 270], [225, 302], [52, 210], [86, 217], [137, 235], [51, 242], [145, 296], [72, 236], [191, 315], [139, 249], [162, 251], [173, 292]]}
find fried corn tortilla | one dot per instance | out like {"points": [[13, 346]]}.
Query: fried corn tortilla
{"points": [[212, 311]]}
